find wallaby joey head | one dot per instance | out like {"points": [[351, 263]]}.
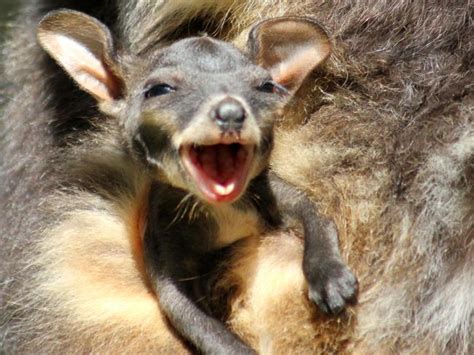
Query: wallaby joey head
{"points": [[199, 114]]}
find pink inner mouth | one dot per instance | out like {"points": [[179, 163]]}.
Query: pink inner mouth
{"points": [[220, 171]]}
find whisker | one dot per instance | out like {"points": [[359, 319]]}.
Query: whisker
{"points": [[181, 209]]}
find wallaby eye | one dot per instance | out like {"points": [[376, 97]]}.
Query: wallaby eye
{"points": [[158, 90], [271, 87]]}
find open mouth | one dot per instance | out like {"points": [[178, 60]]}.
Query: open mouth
{"points": [[220, 171]]}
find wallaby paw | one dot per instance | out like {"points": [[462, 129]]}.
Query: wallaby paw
{"points": [[332, 286]]}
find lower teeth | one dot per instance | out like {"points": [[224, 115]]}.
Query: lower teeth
{"points": [[221, 190]]}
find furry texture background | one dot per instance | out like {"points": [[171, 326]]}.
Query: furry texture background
{"points": [[383, 138]]}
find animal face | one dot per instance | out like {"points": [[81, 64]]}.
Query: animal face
{"points": [[203, 117], [199, 112]]}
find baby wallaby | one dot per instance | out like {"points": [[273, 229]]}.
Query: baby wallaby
{"points": [[198, 115]]}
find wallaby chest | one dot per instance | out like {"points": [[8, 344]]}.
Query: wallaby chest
{"points": [[235, 223]]}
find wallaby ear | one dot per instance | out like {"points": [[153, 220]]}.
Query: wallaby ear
{"points": [[83, 47], [289, 47]]}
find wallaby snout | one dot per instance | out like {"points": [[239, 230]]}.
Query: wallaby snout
{"points": [[229, 115]]}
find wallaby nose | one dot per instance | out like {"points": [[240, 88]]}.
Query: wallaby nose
{"points": [[230, 114]]}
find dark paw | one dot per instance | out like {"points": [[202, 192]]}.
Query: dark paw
{"points": [[332, 286]]}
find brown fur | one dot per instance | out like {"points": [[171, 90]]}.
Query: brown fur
{"points": [[383, 138]]}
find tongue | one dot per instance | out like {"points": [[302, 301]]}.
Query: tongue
{"points": [[219, 162], [220, 170]]}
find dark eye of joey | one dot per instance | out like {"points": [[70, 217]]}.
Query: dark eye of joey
{"points": [[271, 87], [158, 90]]}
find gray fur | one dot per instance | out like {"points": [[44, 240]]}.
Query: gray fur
{"points": [[386, 145]]}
